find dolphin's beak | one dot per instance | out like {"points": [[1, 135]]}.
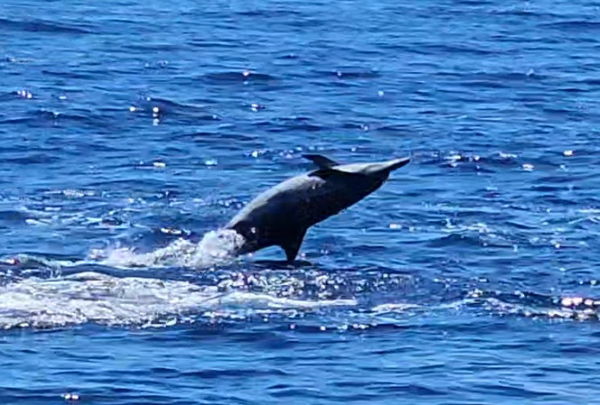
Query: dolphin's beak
{"points": [[384, 168], [396, 163]]}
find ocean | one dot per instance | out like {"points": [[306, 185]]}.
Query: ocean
{"points": [[133, 131]]}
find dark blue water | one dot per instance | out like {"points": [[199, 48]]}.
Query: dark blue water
{"points": [[131, 131]]}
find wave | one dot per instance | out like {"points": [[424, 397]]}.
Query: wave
{"points": [[215, 247], [188, 281], [573, 25], [53, 118], [146, 302], [349, 73], [78, 292], [537, 306], [161, 108], [484, 303], [225, 77], [45, 26]]}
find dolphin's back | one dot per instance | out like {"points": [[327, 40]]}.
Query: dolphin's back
{"points": [[282, 214], [298, 203], [288, 202]]}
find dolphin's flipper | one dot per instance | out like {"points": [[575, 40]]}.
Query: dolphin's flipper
{"points": [[291, 245], [321, 161]]}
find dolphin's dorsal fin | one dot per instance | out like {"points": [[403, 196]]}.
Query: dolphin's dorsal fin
{"points": [[321, 161]]}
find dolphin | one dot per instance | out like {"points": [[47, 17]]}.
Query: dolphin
{"points": [[281, 215]]}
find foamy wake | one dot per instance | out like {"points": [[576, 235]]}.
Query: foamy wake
{"points": [[104, 299], [215, 247], [99, 298]]}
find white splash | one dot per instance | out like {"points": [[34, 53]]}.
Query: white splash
{"points": [[215, 247], [393, 307], [99, 298]]}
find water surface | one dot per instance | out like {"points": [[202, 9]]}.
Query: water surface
{"points": [[132, 132]]}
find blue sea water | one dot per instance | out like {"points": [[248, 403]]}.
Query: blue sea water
{"points": [[132, 131]]}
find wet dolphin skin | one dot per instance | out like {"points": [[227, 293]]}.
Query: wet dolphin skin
{"points": [[281, 215]]}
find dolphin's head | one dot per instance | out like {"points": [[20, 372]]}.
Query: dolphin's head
{"points": [[379, 170]]}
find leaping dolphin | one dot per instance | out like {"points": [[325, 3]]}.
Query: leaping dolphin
{"points": [[281, 215]]}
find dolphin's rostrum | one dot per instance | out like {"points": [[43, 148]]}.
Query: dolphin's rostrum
{"points": [[281, 215]]}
